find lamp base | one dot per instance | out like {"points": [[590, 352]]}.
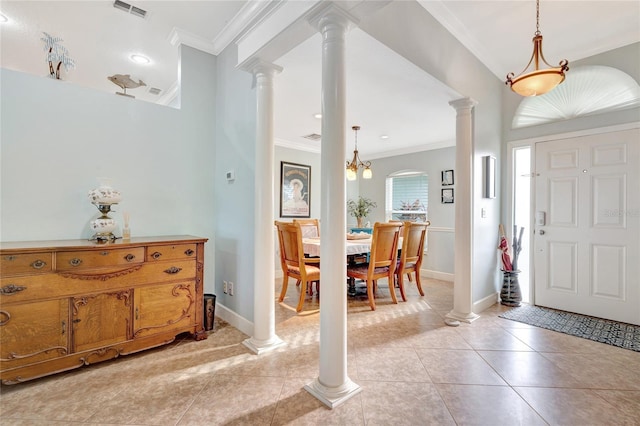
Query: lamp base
{"points": [[103, 237]]}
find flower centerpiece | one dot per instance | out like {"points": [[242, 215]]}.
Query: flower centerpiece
{"points": [[360, 209]]}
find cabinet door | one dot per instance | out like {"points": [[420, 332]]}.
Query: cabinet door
{"points": [[164, 307], [33, 332], [101, 320]]}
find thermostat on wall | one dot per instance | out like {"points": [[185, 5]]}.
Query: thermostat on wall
{"points": [[231, 175]]}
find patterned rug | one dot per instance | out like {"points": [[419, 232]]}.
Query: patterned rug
{"points": [[605, 331]]}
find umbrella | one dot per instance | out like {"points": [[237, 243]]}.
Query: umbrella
{"points": [[504, 247]]}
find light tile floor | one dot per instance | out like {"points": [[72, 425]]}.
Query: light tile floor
{"points": [[413, 370]]}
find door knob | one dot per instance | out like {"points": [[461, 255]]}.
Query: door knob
{"points": [[542, 232]]}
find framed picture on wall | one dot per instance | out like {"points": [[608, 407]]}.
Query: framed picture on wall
{"points": [[295, 190], [489, 176], [447, 177], [447, 195]]}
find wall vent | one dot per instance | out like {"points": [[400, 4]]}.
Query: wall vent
{"points": [[313, 137], [154, 90], [126, 7]]}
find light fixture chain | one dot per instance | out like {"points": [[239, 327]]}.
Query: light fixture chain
{"points": [[537, 17]]}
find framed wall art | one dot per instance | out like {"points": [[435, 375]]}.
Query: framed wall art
{"points": [[447, 195], [447, 177], [295, 190]]}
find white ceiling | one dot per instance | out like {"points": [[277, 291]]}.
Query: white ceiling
{"points": [[386, 94]]}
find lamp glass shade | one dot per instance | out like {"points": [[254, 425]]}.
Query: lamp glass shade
{"points": [[537, 82], [367, 173], [351, 174]]}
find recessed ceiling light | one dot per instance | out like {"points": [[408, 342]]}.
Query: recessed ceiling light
{"points": [[139, 59], [384, 137], [318, 115], [3, 18]]}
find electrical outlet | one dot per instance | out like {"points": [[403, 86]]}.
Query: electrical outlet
{"points": [[230, 288], [225, 287]]}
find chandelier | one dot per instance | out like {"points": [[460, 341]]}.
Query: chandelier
{"points": [[356, 163], [537, 82]]}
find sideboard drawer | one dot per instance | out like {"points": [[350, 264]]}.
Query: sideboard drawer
{"points": [[73, 260], [178, 251], [25, 263]]}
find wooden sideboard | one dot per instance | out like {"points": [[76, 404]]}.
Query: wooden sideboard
{"points": [[66, 304]]}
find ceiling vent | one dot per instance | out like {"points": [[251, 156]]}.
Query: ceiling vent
{"points": [[313, 137], [154, 90], [129, 8]]}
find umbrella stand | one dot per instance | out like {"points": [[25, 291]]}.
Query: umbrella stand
{"points": [[510, 294]]}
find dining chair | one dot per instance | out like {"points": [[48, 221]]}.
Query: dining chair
{"points": [[310, 227], [294, 264], [413, 239], [382, 260]]}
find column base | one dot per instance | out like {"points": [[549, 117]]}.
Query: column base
{"points": [[457, 316], [333, 397], [262, 346]]}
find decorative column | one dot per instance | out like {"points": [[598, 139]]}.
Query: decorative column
{"points": [[463, 262], [264, 338], [332, 386]]}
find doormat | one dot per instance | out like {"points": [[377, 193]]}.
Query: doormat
{"points": [[614, 333]]}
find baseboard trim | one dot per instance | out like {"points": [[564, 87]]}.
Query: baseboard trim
{"points": [[486, 303], [444, 276], [234, 319]]}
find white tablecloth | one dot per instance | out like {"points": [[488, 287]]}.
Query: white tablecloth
{"points": [[312, 246]]}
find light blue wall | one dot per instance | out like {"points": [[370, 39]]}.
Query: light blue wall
{"points": [[57, 138], [440, 253], [408, 29], [233, 214], [300, 157]]}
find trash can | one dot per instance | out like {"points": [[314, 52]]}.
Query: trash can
{"points": [[209, 311]]}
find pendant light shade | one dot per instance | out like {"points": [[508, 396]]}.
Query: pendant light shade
{"points": [[538, 81]]}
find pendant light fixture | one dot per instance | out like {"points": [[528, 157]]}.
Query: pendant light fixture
{"points": [[356, 163], [537, 82]]}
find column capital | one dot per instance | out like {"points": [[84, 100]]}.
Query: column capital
{"points": [[259, 66], [464, 103], [329, 13]]}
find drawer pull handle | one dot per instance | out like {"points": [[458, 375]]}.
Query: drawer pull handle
{"points": [[129, 257], [10, 258], [173, 270], [6, 317], [104, 253], [189, 252], [12, 289], [75, 262], [156, 255], [38, 264], [64, 327]]}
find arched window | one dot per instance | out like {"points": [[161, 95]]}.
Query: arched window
{"points": [[407, 195], [586, 90]]}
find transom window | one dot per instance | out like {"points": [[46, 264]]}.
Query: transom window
{"points": [[407, 195]]}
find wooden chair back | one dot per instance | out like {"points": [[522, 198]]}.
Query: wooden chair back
{"points": [[413, 240], [293, 262], [310, 227], [384, 245]]}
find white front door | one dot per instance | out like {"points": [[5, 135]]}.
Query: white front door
{"points": [[587, 225]]}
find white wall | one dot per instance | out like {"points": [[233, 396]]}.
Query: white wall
{"points": [[57, 137]]}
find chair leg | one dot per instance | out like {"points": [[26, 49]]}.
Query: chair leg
{"points": [[401, 286], [297, 283], [303, 293], [392, 290], [418, 283], [283, 292], [370, 294]]}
